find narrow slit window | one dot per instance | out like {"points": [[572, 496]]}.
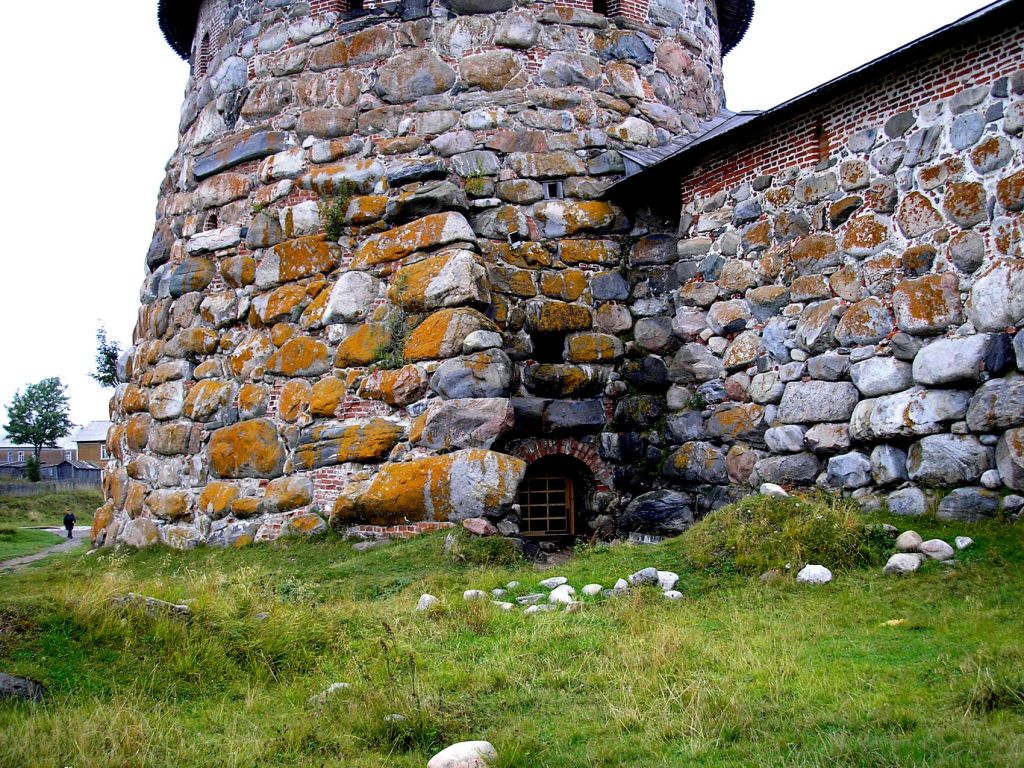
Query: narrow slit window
{"points": [[601, 6], [203, 56], [553, 190]]}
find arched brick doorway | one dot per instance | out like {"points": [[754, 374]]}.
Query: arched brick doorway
{"points": [[554, 497]]}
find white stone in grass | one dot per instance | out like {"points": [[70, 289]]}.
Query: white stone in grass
{"points": [[562, 594], [498, 593], [591, 590], [773, 490], [667, 580], [473, 595], [908, 541], [465, 754], [902, 563], [644, 576], [936, 549], [671, 594], [331, 690], [395, 717], [554, 581], [512, 585], [539, 609], [814, 574], [426, 602], [963, 542], [502, 606], [621, 586]]}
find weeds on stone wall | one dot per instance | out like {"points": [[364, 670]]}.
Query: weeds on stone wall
{"points": [[334, 209], [391, 356]]}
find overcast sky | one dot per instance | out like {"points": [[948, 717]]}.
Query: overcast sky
{"points": [[93, 93]]}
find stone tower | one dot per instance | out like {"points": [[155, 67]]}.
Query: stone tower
{"points": [[384, 285]]}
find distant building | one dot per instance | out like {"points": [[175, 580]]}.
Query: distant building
{"points": [[92, 443]]}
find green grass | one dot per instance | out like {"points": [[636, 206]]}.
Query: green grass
{"points": [[15, 542], [49, 508], [736, 674]]}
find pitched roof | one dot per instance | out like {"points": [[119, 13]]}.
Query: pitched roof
{"points": [[686, 152], [178, 19], [93, 432]]}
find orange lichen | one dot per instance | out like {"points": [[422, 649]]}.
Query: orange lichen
{"points": [[325, 396], [216, 498], [360, 348], [295, 396]]}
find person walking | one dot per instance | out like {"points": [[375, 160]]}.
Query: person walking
{"points": [[69, 521]]}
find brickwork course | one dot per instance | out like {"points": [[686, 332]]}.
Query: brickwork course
{"points": [[406, 251]]}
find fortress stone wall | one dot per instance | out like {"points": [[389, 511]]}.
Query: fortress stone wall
{"points": [[388, 279]]}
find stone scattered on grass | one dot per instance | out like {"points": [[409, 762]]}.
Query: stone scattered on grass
{"points": [[902, 563], [814, 574], [530, 599], [936, 549], [502, 605], [554, 581], [644, 576], [465, 754], [151, 605], [474, 595], [543, 608], [562, 594], [671, 594], [592, 590], [621, 586], [667, 580], [328, 692], [963, 542], [773, 490], [426, 602], [909, 541], [512, 585], [498, 593], [479, 527], [13, 687]]}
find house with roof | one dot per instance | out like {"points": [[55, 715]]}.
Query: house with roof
{"points": [[92, 443]]}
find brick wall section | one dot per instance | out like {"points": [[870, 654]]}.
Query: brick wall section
{"points": [[797, 141]]}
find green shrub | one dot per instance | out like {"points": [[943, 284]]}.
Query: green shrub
{"points": [[8, 531], [334, 209], [391, 356], [489, 551], [762, 532]]}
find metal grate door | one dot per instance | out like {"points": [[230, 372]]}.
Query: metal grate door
{"points": [[547, 505]]}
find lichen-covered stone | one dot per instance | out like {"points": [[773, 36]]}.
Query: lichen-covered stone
{"points": [[452, 487], [246, 449], [329, 444], [423, 234]]}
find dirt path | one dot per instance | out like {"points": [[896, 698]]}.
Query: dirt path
{"points": [[81, 536]]}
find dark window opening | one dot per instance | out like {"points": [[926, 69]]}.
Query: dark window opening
{"points": [[553, 190], [203, 56], [548, 347], [552, 497], [212, 222], [601, 6], [353, 5], [821, 138]]}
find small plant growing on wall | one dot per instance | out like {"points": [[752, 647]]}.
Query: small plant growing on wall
{"points": [[334, 208], [391, 355]]}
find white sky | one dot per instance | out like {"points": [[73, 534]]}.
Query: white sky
{"points": [[91, 119]]}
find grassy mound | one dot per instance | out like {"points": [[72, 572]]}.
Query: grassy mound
{"points": [[872, 671], [15, 542], [763, 532], [49, 508]]}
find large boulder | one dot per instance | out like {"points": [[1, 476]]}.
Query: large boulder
{"points": [[951, 361], [916, 411], [661, 513], [997, 404], [452, 487], [1010, 458], [948, 460], [486, 374], [463, 423], [806, 402], [364, 442], [697, 462], [246, 449]]}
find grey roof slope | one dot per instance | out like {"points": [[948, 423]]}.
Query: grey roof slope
{"points": [[93, 432], [178, 19], [689, 149]]}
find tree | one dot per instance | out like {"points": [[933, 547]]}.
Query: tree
{"points": [[40, 416], [107, 353]]}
